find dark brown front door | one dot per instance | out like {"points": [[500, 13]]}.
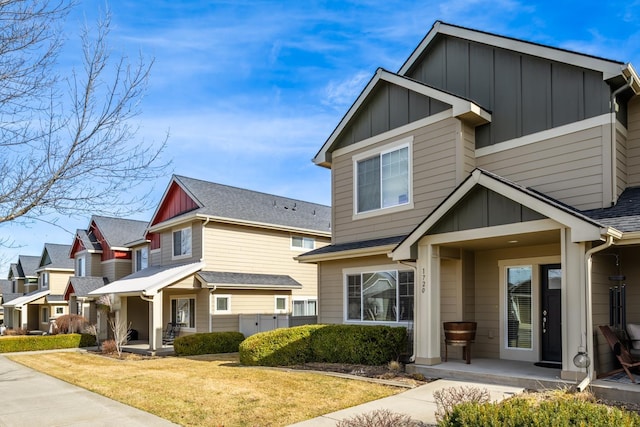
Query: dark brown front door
{"points": [[551, 315]]}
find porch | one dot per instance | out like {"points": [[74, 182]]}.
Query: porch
{"points": [[526, 375], [142, 347]]}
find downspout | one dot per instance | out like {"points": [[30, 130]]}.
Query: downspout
{"points": [[211, 291], [588, 309], [612, 107]]}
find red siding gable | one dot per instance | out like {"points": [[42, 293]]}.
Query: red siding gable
{"points": [[76, 247], [176, 202]]}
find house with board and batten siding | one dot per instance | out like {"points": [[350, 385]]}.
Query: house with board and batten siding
{"points": [[220, 256], [490, 180]]}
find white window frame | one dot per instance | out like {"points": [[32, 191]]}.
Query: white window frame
{"points": [[388, 148], [286, 304], [217, 297], [44, 282], [140, 251], [306, 301], [81, 266], [59, 310], [173, 240], [191, 315], [302, 240], [346, 272]]}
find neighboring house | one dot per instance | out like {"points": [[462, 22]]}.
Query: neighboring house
{"points": [[34, 310], [490, 180], [218, 253], [100, 254], [24, 280], [6, 294]]}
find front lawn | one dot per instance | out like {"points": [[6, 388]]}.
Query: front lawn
{"points": [[208, 390]]}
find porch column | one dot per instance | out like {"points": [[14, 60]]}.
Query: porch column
{"points": [[155, 322], [573, 307], [427, 316], [23, 315]]}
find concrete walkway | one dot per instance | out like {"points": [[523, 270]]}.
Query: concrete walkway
{"points": [[418, 403], [29, 398]]}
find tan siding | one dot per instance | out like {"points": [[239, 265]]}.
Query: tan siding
{"points": [[138, 316], [251, 302], [567, 168], [621, 163], [58, 281], [633, 142], [155, 257], [331, 290], [166, 245], [488, 294], [116, 269], [434, 177], [94, 265], [239, 249], [225, 323], [469, 145]]}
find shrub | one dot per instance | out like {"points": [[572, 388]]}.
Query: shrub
{"points": [[447, 398], [71, 323], [285, 346], [380, 418], [108, 347], [358, 344], [15, 331], [564, 409], [209, 343], [44, 342], [368, 345]]}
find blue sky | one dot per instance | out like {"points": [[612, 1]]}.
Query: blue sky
{"points": [[250, 90]]}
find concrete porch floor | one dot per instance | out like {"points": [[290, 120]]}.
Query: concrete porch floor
{"points": [[142, 347], [522, 374]]}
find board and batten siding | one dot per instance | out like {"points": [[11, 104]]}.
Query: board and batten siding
{"points": [[487, 293], [242, 249], [633, 143], [166, 244], [568, 168], [434, 177]]}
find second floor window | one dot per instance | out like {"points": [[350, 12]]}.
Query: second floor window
{"points": [[182, 242], [302, 242], [44, 284], [80, 268], [142, 258], [382, 180]]}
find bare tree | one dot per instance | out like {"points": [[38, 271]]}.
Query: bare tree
{"points": [[67, 141]]}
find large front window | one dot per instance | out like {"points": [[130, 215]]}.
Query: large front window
{"points": [[182, 242], [183, 312], [383, 180], [380, 296]]}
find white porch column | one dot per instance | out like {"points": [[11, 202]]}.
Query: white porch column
{"points": [[573, 307], [155, 322], [427, 315], [23, 315]]}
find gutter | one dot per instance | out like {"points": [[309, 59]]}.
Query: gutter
{"points": [[588, 309]]}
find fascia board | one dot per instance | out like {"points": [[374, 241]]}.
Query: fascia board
{"points": [[608, 68], [354, 253]]}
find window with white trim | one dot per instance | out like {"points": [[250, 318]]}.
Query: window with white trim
{"points": [[80, 267], [281, 304], [382, 179], [142, 258], [380, 296], [305, 307], [59, 310], [183, 312], [44, 280], [45, 315], [182, 242], [299, 242], [222, 304]]}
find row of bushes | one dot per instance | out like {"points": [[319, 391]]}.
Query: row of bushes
{"points": [[354, 344], [46, 342], [208, 343]]}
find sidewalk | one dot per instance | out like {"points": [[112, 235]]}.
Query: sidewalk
{"points": [[29, 398], [418, 403]]}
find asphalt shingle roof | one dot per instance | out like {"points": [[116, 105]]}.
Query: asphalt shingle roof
{"points": [[27, 265], [118, 231], [89, 241], [256, 281], [361, 244], [242, 204], [59, 256], [6, 291], [83, 285], [624, 216]]}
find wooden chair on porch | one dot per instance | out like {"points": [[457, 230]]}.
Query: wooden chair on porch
{"points": [[621, 352]]}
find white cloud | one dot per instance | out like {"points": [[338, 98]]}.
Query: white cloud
{"points": [[342, 93]]}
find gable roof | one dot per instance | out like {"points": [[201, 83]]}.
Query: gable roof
{"points": [[462, 108], [81, 286], [117, 232], [228, 280], [88, 241], [583, 227], [609, 68], [27, 298], [233, 204], [6, 291], [624, 215], [27, 266], [56, 256]]}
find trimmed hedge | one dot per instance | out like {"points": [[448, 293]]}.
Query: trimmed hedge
{"points": [[518, 411], [366, 345], [208, 343], [45, 342]]}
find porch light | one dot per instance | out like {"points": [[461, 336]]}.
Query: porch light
{"points": [[581, 359]]}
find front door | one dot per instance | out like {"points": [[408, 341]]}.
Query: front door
{"points": [[550, 315]]}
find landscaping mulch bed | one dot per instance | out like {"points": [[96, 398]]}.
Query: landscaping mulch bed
{"points": [[383, 372]]}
